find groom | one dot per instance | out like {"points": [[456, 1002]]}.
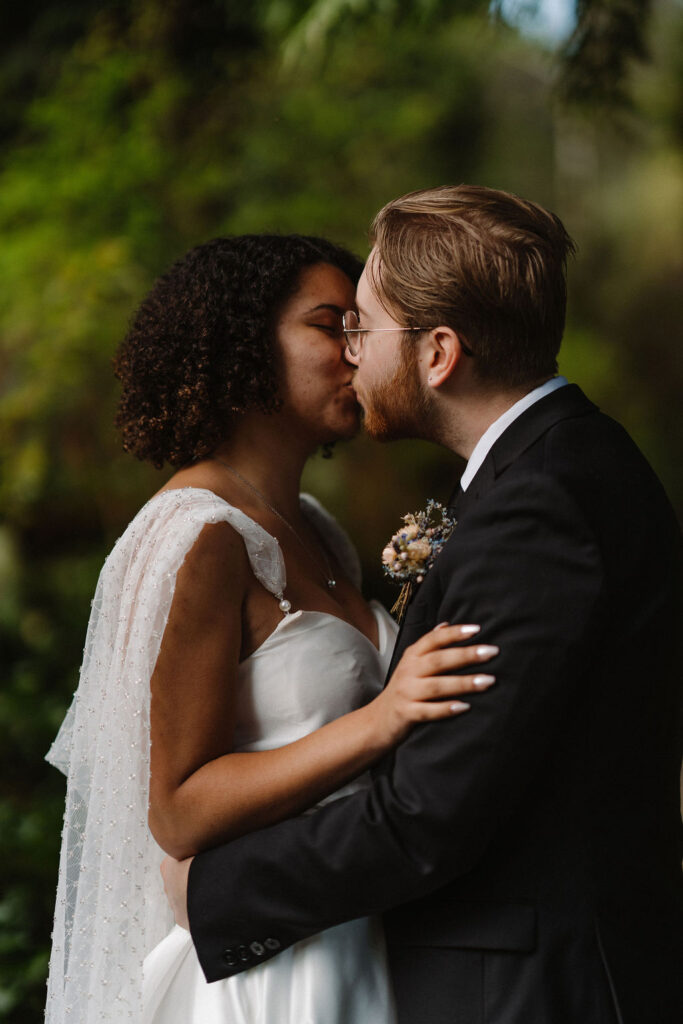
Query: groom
{"points": [[525, 857]]}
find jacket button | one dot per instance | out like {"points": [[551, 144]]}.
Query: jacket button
{"points": [[257, 948], [271, 944], [229, 957], [244, 954]]}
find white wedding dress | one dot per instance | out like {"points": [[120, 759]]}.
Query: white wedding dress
{"points": [[110, 961]]}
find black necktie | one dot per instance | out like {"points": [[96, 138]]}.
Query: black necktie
{"points": [[455, 499]]}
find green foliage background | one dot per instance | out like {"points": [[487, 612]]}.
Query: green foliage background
{"points": [[130, 132]]}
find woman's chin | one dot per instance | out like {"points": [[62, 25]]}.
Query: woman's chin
{"points": [[345, 435], [354, 421], [344, 429]]}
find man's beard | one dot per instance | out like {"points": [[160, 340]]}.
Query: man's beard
{"points": [[400, 407]]}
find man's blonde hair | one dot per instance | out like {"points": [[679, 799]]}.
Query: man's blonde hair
{"points": [[484, 262]]}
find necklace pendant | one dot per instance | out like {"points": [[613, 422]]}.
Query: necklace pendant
{"points": [[331, 583]]}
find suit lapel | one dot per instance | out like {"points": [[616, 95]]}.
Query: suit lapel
{"points": [[564, 403]]}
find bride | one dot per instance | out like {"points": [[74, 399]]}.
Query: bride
{"points": [[232, 672]]}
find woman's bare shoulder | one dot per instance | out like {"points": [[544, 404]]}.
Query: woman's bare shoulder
{"points": [[217, 565]]}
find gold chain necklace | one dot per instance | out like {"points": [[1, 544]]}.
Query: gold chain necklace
{"points": [[328, 574]]}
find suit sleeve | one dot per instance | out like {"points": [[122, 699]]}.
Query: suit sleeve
{"points": [[525, 566]]}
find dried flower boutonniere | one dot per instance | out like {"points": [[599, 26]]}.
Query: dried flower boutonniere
{"points": [[410, 553]]}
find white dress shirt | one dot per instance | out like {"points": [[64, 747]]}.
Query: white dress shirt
{"points": [[499, 426]]}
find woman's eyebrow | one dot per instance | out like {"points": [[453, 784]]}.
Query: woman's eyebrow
{"points": [[327, 305]]}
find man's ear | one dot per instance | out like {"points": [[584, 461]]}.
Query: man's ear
{"points": [[443, 354]]}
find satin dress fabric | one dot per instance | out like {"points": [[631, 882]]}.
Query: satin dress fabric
{"points": [[313, 668]]}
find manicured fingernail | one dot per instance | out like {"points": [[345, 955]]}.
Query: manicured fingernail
{"points": [[487, 651], [484, 681], [469, 630], [459, 705], [441, 625]]}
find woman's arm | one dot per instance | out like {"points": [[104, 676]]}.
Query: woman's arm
{"points": [[202, 795]]}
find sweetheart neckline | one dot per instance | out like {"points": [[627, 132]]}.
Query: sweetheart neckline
{"points": [[327, 615], [289, 616]]}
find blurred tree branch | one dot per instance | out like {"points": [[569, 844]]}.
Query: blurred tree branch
{"points": [[593, 64], [609, 35]]}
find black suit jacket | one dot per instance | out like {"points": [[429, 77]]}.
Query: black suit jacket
{"points": [[525, 856]]}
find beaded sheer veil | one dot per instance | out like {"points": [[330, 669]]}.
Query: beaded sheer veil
{"points": [[111, 910]]}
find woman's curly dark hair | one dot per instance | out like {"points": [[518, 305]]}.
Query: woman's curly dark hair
{"points": [[201, 348]]}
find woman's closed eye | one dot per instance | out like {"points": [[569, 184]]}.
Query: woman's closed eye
{"points": [[334, 330]]}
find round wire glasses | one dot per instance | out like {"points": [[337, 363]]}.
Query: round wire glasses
{"points": [[355, 334]]}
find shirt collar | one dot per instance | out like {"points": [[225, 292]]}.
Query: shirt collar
{"points": [[499, 426]]}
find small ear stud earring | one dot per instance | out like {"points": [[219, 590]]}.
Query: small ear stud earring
{"points": [[429, 380]]}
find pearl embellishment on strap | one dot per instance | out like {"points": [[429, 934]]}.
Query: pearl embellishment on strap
{"points": [[327, 574]]}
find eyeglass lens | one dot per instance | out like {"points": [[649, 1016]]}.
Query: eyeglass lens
{"points": [[351, 324]]}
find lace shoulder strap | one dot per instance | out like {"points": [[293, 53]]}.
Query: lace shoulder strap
{"points": [[147, 557], [334, 537], [264, 553], [110, 910]]}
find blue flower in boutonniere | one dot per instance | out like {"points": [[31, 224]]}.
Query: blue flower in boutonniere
{"points": [[411, 552]]}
